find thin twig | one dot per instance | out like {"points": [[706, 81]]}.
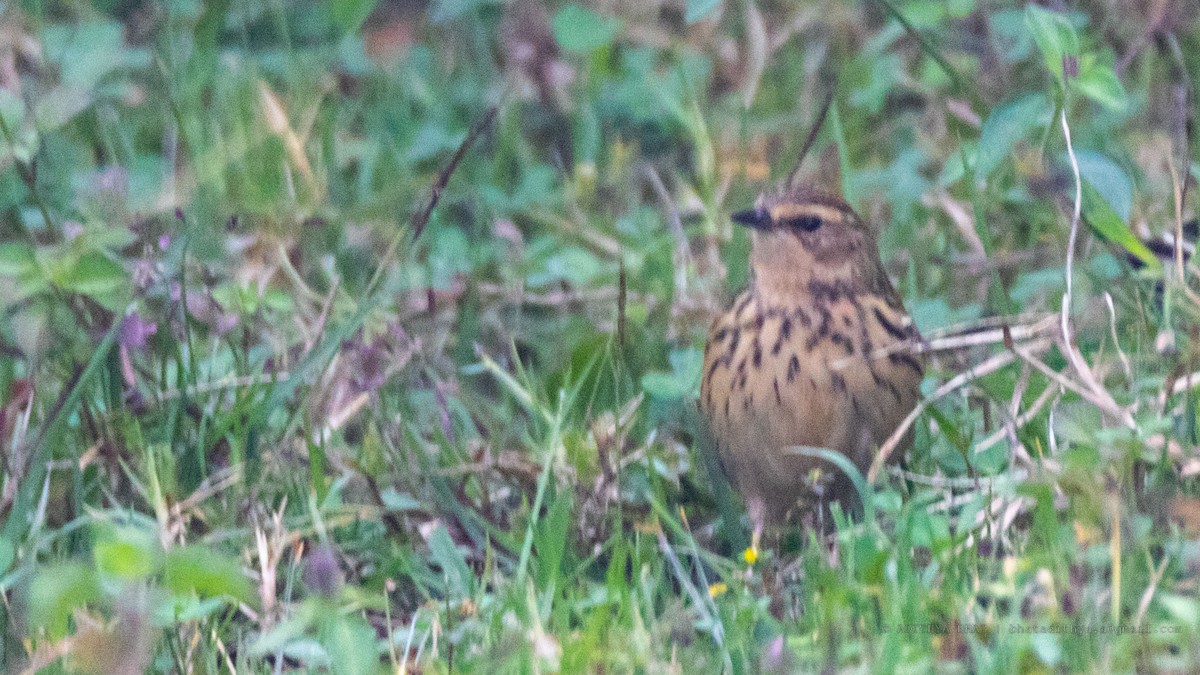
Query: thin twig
{"points": [[812, 135], [227, 383], [421, 219], [964, 340], [1020, 420], [988, 366], [1108, 406], [1156, 575], [1112, 326], [1015, 476]]}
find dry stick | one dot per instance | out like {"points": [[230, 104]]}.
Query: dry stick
{"points": [[1156, 575], [1179, 190], [958, 341], [973, 339], [1008, 424], [1014, 475], [421, 219], [1090, 396], [988, 366], [1021, 420], [812, 135], [1014, 323], [323, 316], [1181, 385], [1099, 393], [1112, 326], [756, 53], [227, 383]]}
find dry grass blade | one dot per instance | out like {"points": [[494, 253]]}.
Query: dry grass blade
{"points": [[990, 365], [812, 134], [1096, 393]]}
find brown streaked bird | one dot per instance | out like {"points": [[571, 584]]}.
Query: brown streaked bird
{"points": [[800, 358]]}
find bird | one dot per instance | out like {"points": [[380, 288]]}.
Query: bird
{"points": [[812, 353]]}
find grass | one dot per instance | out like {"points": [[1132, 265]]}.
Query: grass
{"points": [[308, 363]]}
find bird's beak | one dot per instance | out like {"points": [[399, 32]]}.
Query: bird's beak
{"points": [[757, 218]]}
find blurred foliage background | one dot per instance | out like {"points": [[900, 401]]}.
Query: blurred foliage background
{"points": [[258, 413]]}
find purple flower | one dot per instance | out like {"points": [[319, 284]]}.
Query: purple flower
{"points": [[135, 331]]}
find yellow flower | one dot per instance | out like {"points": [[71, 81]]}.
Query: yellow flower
{"points": [[750, 555], [716, 589]]}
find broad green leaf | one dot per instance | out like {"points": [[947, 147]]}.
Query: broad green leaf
{"points": [[551, 538], [1010, 34], [16, 258], [350, 14], [1055, 37], [8, 553], [56, 592], [1048, 647], [350, 642], [682, 381], [126, 552], [194, 569], [60, 105], [94, 274], [1004, 127], [1181, 608], [454, 567], [579, 29], [297, 623], [1098, 214], [179, 609], [1109, 179], [12, 109], [86, 52], [1098, 81]]}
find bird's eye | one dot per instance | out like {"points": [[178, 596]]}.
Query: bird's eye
{"points": [[806, 223]]}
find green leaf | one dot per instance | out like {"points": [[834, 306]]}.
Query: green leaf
{"points": [[12, 109], [94, 274], [1004, 127], [1098, 81], [450, 559], [551, 539], [578, 29], [699, 9], [193, 569], [1101, 217], [1055, 37], [350, 642], [16, 258], [180, 609], [87, 52], [1181, 608], [1009, 34], [843, 463], [60, 105], [682, 381], [56, 592], [8, 553], [350, 14], [1109, 179], [126, 552]]}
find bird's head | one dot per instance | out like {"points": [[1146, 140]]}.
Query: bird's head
{"points": [[801, 234]]}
